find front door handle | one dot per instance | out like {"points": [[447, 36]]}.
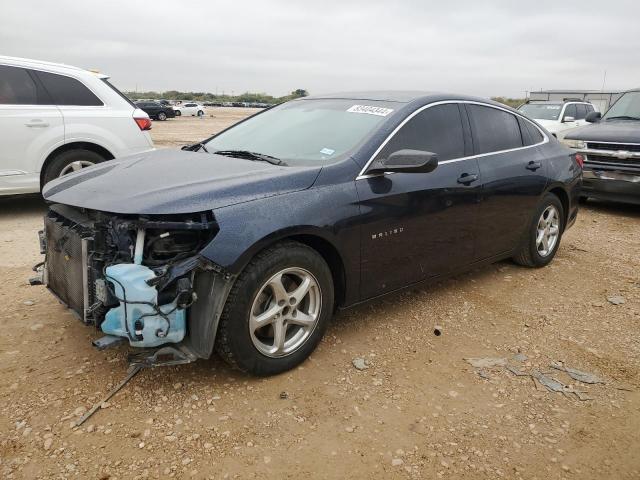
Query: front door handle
{"points": [[533, 165], [467, 178], [36, 124]]}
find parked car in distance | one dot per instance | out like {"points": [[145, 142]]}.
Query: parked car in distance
{"points": [[190, 108], [56, 119], [156, 110], [611, 146], [246, 242], [558, 117]]}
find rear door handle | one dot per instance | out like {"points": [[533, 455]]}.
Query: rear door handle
{"points": [[36, 124], [467, 178], [533, 165]]}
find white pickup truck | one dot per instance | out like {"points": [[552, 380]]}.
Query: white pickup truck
{"points": [[558, 117]]}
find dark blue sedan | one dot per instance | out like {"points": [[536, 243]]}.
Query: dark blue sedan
{"points": [[247, 242]]}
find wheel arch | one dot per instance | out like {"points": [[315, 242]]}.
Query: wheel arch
{"points": [[562, 194], [93, 147], [313, 237]]}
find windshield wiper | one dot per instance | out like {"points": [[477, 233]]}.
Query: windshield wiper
{"points": [[260, 157], [623, 117]]}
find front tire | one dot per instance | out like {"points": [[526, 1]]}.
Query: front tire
{"points": [[543, 235], [178, 113], [68, 162], [277, 310], [200, 113], [162, 116]]}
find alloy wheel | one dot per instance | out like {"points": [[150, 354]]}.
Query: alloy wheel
{"points": [[548, 231], [75, 166], [285, 312]]}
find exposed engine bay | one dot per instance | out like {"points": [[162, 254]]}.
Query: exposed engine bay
{"points": [[133, 277]]}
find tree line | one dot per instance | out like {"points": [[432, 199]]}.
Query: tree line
{"points": [[212, 97]]}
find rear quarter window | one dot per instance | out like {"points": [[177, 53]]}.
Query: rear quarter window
{"points": [[530, 133], [493, 129], [68, 91]]}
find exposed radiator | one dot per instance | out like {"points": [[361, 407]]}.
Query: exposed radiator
{"points": [[66, 263]]}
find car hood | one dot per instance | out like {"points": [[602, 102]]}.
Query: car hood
{"points": [[622, 131], [551, 125], [175, 181]]}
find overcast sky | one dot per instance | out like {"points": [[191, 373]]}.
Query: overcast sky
{"points": [[487, 48]]}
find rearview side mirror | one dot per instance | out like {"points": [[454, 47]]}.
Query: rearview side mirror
{"points": [[569, 119], [593, 117], [408, 161]]}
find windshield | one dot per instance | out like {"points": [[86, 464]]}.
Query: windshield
{"points": [[542, 111], [627, 107], [306, 131]]}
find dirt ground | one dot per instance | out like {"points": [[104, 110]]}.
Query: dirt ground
{"points": [[418, 409]]}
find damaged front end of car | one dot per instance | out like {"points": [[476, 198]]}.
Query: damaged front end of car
{"points": [[138, 278]]}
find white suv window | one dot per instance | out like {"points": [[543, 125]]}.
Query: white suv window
{"points": [[17, 87]]}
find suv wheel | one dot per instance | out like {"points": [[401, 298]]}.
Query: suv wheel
{"points": [[178, 113], [162, 116], [70, 161], [277, 311], [544, 234]]}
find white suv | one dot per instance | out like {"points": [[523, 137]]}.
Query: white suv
{"points": [[558, 117], [55, 119]]}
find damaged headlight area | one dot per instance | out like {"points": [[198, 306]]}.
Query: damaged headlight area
{"points": [[132, 276]]}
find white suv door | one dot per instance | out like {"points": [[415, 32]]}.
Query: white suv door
{"points": [[30, 128]]}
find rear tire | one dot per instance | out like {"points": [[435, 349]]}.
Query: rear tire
{"points": [[68, 162], [543, 235], [200, 113], [178, 113], [265, 329]]}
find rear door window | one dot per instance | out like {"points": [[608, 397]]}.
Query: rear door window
{"points": [[570, 111], [68, 91], [436, 129], [493, 129], [17, 87]]}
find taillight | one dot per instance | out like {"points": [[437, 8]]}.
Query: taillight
{"points": [[580, 160], [143, 122]]}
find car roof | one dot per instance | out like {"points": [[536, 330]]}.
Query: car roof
{"points": [[556, 102], [48, 66], [402, 96]]}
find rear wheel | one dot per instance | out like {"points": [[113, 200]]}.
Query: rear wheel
{"points": [[69, 162], [277, 311], [200, 113], [178, 113], [543, 235]]}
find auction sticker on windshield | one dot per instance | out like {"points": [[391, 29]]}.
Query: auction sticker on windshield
{"points": [[370, 110]]}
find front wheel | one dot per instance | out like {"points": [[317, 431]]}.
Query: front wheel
{"points": [[200, 113], [178, 113], [162, 116], [277, 311], [543, 235]]}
